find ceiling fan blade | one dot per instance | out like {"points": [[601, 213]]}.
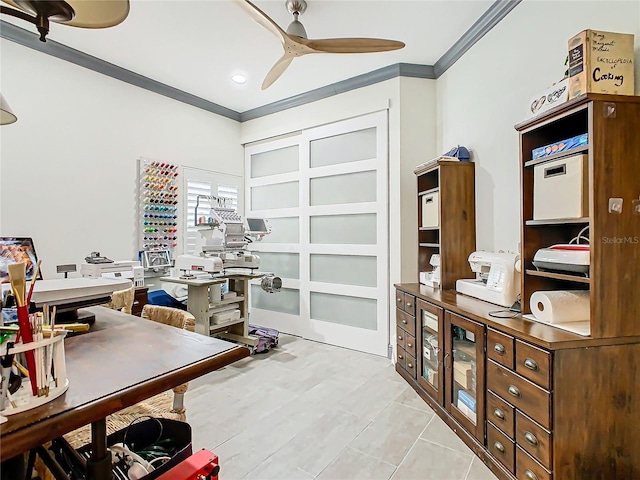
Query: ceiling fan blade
{"points": [[262, 18], [351, 45], [277, 70]]}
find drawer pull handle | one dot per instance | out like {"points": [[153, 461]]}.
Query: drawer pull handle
{"points": [[499, 348], [409, 345], [400, 357], [513, 391], [409, 365], [498, 413], [404, 321], [408, 304], [529, 475], [531, 438], [498, 446], [531, 364], [399, 300], [400, 337]]}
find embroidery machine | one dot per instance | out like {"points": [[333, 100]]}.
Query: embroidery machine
{"points": [[226, 236]]}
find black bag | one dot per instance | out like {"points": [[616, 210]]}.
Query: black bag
{"points": [[170, 436]]}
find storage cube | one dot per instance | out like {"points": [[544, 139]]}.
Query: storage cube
{"points": [[431, 210], [560, 189]]}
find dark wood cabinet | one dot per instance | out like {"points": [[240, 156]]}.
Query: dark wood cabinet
{"points": [[549, 404], [464, 372], [430, 337]]}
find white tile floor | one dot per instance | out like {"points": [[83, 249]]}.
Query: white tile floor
{"points": [[309, 410]]}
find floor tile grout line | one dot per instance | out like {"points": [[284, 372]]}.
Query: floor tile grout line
{"points": [[411, 448], [470, 452], [415, 408], [469, 469]]}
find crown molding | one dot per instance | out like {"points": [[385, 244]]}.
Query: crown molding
{"points": [[31, 40], [498, 10]]}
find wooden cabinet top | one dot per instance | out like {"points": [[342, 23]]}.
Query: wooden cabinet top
{"points": [[573, 103], [537, 333]]}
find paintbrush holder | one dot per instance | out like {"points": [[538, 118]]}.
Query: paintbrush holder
{"points": [[54, 372]]}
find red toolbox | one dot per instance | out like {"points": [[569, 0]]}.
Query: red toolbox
{"points": [[199, 466]]}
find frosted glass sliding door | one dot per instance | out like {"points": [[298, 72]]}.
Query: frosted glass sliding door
{"points": [[329, 219]]}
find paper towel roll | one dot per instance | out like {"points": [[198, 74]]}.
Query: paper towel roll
{"points": [[560, 306]]}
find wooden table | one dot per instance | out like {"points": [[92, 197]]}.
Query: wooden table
{"points": [[203, 296], [120, 362]]}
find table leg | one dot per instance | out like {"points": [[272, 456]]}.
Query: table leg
{"points": [[99, 465]]}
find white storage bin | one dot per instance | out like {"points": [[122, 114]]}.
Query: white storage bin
{"points": [[227, 316], [561, 189], [431, 209]]}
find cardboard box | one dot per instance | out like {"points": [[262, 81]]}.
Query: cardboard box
{"points": [[552, 96], [601, 62]]}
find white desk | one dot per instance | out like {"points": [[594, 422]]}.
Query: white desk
{"points": [[201, 299]]}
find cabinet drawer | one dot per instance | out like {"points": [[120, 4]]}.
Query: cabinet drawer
{"points": [[500, 347], [501, 447], [520, 392], [410, 345], [534, 439], [501, 414], [399, 299], [528, 469], [410, 365], [410, 304], [402, 358], [406, 322], [401, 337], [533, 363]]}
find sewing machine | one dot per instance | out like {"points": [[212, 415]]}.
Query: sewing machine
{"points": [[497, 278], [432, 278], [130, 269]]}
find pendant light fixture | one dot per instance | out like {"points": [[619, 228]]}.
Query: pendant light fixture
{"points": [[77, 13], [6, 114]]}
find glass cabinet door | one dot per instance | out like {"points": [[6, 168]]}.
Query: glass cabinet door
{"points": [[465, 372], [429, 333]]}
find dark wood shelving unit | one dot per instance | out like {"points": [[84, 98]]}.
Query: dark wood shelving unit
{"points": [[454, 239], [612, 123]]}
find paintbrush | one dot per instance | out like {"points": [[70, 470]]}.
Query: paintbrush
{"points": [[33, 281], [17, 275]]}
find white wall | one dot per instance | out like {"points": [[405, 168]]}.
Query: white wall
{"points": [[487, 92], [68, 166]]}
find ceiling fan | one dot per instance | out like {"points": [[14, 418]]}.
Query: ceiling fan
{"points": [[295, 42]]}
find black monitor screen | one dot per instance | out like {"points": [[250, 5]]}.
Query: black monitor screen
{"points": [[16, 250], [257, 225]]}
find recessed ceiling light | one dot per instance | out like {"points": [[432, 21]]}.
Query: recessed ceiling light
{"points": [[239, 78]]}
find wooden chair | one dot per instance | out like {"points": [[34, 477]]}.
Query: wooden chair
{"points": [[122, 300], [176, 318]]}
